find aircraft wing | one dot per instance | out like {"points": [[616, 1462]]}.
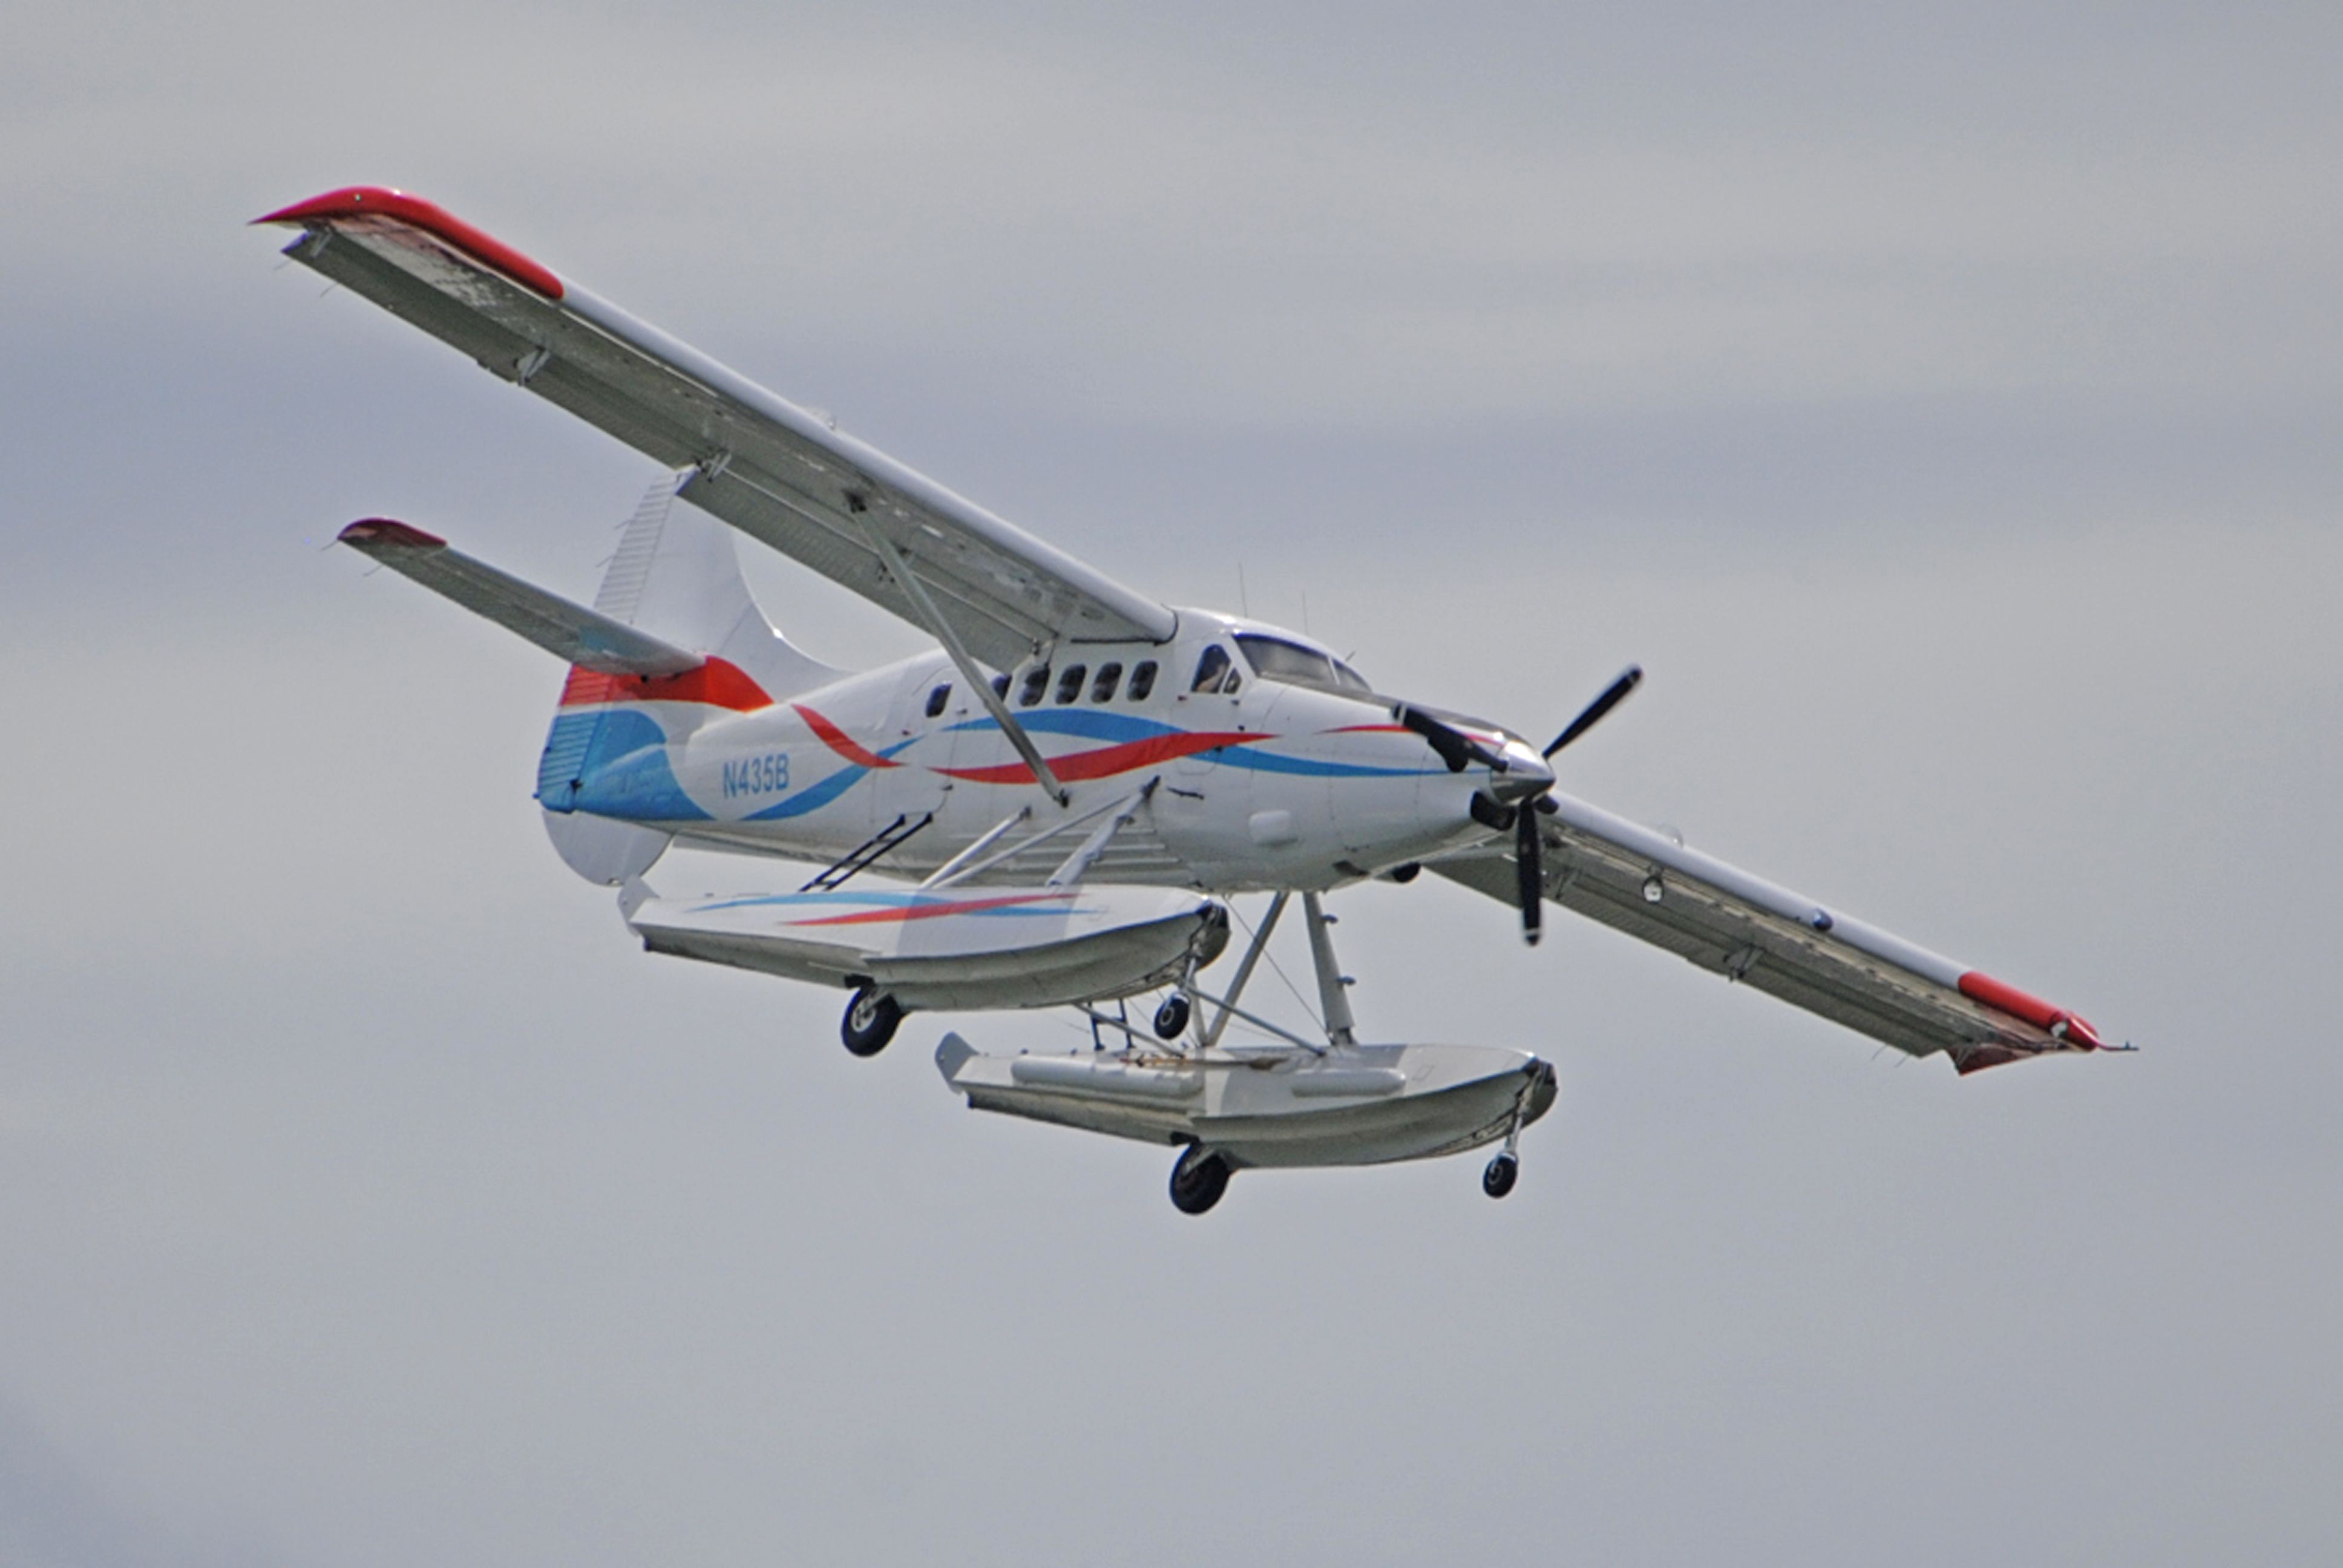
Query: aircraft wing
{"points": [[1726, 921], [783, 474]]}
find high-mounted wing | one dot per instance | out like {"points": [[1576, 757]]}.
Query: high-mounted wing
{"points": [[779, 473], [1748, 929]]}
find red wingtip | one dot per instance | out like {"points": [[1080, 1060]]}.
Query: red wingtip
{"points": [[2071, 1028], [353, 202], [388, 531]]}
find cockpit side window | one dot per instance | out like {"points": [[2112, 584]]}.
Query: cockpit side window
{"points": [[1274, 658], [1211, 669]]}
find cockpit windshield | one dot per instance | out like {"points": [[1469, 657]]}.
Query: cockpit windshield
{"points": [[1274, 658]]}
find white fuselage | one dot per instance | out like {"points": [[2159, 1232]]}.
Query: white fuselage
{"points": [[1259, 783]]}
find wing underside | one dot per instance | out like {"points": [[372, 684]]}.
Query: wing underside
{"points": [[777, 472], [1765, 937]]}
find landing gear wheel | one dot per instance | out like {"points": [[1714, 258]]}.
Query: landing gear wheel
{"points": [[1499, 1177], [1171, 1017], [1197, 1180], [870, 1022]]}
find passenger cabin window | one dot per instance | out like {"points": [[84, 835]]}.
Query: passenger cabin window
{"points": [[1274, 658], [1142, 680], [1070, 684], [1037, 681], [1001, 687], [1109, 675], [1215, 672], [937, 699]]}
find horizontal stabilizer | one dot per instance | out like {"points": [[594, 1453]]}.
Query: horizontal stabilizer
{"points": [[586, 637]]}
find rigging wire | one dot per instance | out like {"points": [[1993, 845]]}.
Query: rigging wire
{"points": [[1271, 959]]}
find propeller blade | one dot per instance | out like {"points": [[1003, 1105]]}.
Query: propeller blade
{"points": [[1613, 696], [1529, 869], [1456, 748]]}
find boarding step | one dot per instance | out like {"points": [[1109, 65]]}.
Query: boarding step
{"points": [[892, 837]]}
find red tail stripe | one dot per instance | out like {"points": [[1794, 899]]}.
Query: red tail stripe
{"points": [[717, 683]]}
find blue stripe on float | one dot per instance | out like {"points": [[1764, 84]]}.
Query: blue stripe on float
{"points": [[876, 900]]}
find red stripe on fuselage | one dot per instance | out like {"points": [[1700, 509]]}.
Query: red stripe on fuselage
{"points": [[838, 740], [719, 683], [934, 911], [1106, 760]]}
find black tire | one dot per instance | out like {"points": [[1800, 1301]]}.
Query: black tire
{"points": [[1197, 1180], [1499, 1177], [870, 1022], [1171, 1017]]}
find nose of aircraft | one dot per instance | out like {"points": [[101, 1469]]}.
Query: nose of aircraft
{"points": [[1526, 773]]}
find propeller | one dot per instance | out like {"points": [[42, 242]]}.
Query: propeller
{"points": [[1613, 696], [1529, 843], [1455, 748]]}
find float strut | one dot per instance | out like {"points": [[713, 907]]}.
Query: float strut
{"points": [[1332, 995]]}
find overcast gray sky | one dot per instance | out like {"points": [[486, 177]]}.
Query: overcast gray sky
{"points": [[1941, 403]]}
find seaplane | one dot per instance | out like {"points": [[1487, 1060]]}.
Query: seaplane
{"points": [[1059, 805]]}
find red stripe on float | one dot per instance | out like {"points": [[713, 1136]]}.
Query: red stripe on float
{"points": [[933, 911], [719, 683], [353, 202], [1983, 988]]}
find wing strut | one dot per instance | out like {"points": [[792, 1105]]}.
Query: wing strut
{"points": [[950, 876], [1075, 864], [951, 868], [941, 630]]}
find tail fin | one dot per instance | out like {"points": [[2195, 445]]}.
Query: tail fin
{"points": [[675, 577], [673, 639]]}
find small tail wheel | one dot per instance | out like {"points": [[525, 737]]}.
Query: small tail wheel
{"points": [[1502, 1173], [1197, 1180], [870, 1022], [1171, 1017]]}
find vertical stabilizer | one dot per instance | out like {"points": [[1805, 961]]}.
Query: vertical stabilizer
{"points": [[675, 576]]}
